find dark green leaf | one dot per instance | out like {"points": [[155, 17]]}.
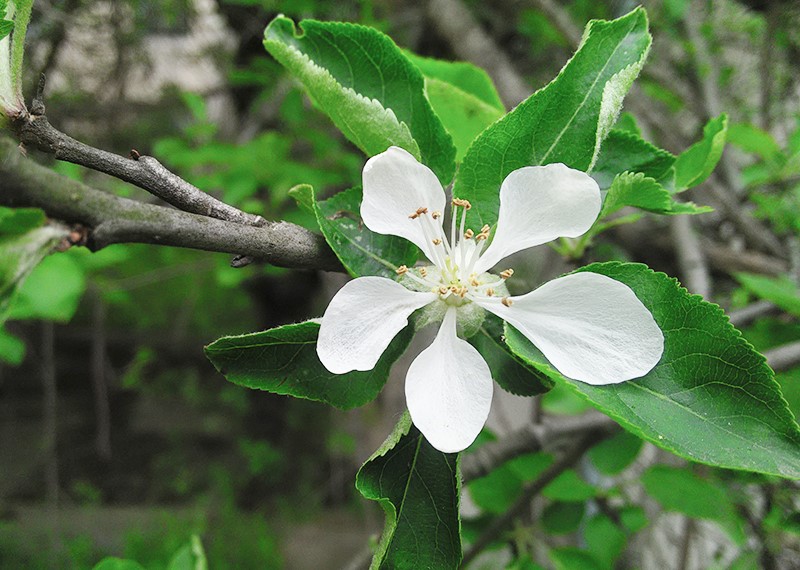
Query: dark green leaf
{"points": [[5, 28], [564, 122], [284, 361], [615, 454], [680, 490], [563, 517], [697, 162], [633, 518], [624, 151], [365, 84], [16, 221], [507, 370], [360, 250], [418, 488], [710, 382]]}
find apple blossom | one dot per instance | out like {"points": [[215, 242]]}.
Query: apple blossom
{"points": [[590, 327]]}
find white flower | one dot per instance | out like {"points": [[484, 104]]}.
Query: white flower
{"points": [[589, 326]]}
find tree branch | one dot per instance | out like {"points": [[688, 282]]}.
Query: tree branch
{"points": [[531, 438], [120, 220], [498, 525]]}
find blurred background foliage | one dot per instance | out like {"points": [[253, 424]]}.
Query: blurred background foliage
{"points": [[117, 436]]}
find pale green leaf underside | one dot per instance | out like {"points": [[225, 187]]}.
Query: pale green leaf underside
{"points": [[284, 360], [639, 191], [779, 290], [362, 80], [697, 162], [565, 121], [418, 488], [712, 398]]}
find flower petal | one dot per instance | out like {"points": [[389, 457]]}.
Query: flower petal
{"points": [[449, 390], [539, 204], [361, 321], [589, 326], [395, 186]]}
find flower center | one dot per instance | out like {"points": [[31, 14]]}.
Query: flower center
{"points": [[452, 276]]}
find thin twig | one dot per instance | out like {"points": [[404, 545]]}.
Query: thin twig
{"points": [[784, 357], [531, 438], [691, 259], [746, 315], [501, 523]]}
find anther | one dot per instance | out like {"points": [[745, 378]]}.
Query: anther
{"points": [[485, 229], [468, 234], [462, 292], [421, 211], [436, 215], [402, 270], [413, 216], [453, 289], [423, 272], [507, 301], [490, 292], [507, 273], [442, 290], [474, 282], [462, 203], [437, 241]]}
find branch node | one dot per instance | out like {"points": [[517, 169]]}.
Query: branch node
{"points": [[37, 105], [240, 261], [135, 154]]}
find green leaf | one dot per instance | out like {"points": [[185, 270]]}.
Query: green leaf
{"points": [[615, 454], [633, 518], [507, 369], [712, 398], [112, 563], [463, 96], [563, 517], [16, 221], [418, 487], [19, 255], [365, 84], [680, 490], [697, 162], [190, 557], [568, 486], [639, 191], [753, 140], [624, 151], [496, 491], [604, 539], [779, 290], [361, 251], [52, 291], [284, 360], [5, 27], [571, 558], [12, 349], [565, 121], [465, 76]]}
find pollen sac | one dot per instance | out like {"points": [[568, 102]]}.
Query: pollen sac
{"points": [[468, 234], [402, 270], [507, 301], [507, 273], [436, 215], [462, 203]]}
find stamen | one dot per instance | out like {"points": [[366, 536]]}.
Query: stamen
{"points": [[421, 211], [436, 241], [443, 290], [462, 292], [413, 216], [463, 203], [422, 271], [402, 270], [507, 301], [468, 234], [474, 282], [507, 273], [436, 215], [490, 292]]}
